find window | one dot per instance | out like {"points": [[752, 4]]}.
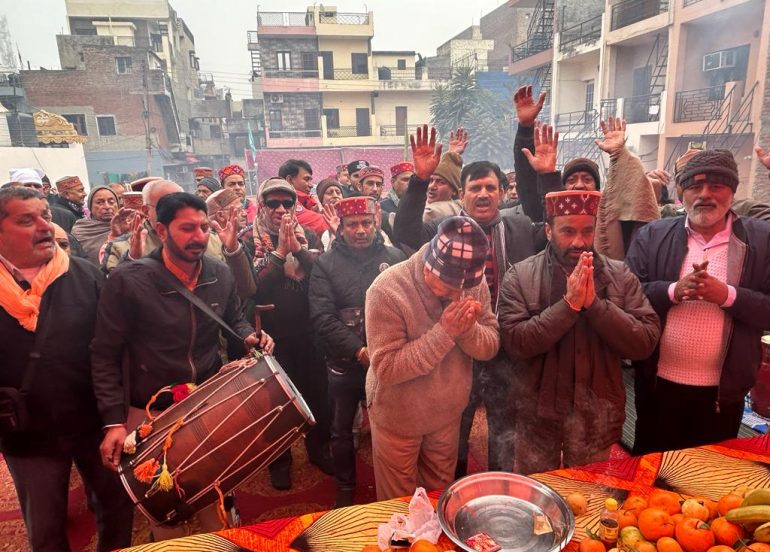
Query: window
{"points": [[589, 96], [215, 131], [193, 60], [284, 61], [309, 62], [312, 121], [123, 65], [79, 122], [106, 124], [156, 43], [360, 65], [276, 122], [401, 64], [332, 118]]}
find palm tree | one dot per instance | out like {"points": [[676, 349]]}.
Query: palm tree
{"points": [[462, 103]]}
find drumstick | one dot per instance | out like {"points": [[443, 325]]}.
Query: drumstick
{"points": [[258, 318]]}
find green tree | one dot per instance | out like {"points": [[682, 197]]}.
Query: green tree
{"points": [[462, 103]]}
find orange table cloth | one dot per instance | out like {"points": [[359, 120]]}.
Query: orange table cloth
{"points": [[709, 471]]}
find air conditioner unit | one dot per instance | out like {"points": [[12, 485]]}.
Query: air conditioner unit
{"points": [[718, 60], [276, 98]]}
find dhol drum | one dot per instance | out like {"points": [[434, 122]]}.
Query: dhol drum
{"points": [[212, 441]]}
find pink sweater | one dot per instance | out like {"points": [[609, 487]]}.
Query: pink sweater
{"points": [[420, 378]]}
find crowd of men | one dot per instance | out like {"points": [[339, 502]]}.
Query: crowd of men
{"points": [[526, 292]]}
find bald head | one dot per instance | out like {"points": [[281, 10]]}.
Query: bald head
{"points": [[152, 193]]}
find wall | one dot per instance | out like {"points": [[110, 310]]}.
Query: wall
{"points": [[292, 110], [342, 49], [418, 107], [295, 45], [573, 75], [347, 102], [71, 48], [391, 60], [152, 9], [56, 162], [627, 58], [122, 162]]}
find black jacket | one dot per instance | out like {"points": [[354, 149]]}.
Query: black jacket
{"points": [[59, 202], [63, 217], [339, 281], [161, 337], [61, 398], [656, 257]]}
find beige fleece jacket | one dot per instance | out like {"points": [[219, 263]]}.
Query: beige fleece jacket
{"points": [[420, 378], [627, 197]]}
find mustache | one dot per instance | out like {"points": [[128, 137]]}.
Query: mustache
{"points": [[42, 239], [194, 246]]}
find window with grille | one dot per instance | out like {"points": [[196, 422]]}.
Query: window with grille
{"points": [[360, 65], [78, 120], [123, 65], [276, 121], [106, 124], [284, 60]]}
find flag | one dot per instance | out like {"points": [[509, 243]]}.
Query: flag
{"points": [[252, 147]]}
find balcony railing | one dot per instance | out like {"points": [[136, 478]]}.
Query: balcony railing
{"points": [[295, 134], [349, 74], [628, 12], [608, 107], [583, 33], [291, 73], [698, 105], [534, 45], [393, 73], [397, 130], [689, 3], [440, 73], [335, 18], [346, 132], [575, 121], [642, 109], [285, 19], [10, 79]]}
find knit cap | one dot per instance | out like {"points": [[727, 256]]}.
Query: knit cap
{"points": [[210, 182], [276, 184], [324, 185], [449, 168], [715, 166], [458, 252], [581, 164]]}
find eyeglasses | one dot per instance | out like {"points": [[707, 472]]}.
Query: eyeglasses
{"points": [[274, 203]]}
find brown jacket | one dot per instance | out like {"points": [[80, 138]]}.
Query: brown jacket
{"points": [[420, 378], [619, 324]]}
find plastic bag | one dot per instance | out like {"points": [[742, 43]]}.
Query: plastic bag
{"points": [[421, 523]]}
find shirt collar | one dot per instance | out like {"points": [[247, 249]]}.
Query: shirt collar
{"points": [[12, 269], [719, 238]]}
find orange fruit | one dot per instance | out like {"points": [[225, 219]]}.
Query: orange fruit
{"points": [[423, 546], [725, 532], [693, 507], [756, 547], [728, 502], [694, 535], [635, 504], [665, 500], [676, 518], [627, 518], [668, 544], [712, 506], [721, 548], [655, 523], [644, 546], [577, 503], [591, 545]]}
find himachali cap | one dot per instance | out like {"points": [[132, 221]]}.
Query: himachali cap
{"points": [[572, 202], [371, 170], [203, 171], [68, 183], [458, 253], [229, 170], [355, 166], [361, 205], [395, 170], [220, 200], [138, 185]]}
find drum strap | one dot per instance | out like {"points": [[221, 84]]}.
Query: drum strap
{"points": [[194, 299]]}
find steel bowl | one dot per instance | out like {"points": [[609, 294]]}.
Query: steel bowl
{"points": [[504, 506]]}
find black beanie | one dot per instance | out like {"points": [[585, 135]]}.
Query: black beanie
{"points": [[581, 164], [210, 182], [716, 166]]}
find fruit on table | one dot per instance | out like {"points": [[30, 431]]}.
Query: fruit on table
{"points": [[635, 504], [725, 532], [695, 509], [694, 535], [749, 514], [423, 545], [762, 533], [591, 545], [665, 500], [627, 518], [756, 547], [756, 497], [630, 536], [655, 523], [644, 546], [577, 503], [728, 502], [721, 548], [668, 544]]}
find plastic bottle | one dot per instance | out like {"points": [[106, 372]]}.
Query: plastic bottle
{"points": [[609, 523]]}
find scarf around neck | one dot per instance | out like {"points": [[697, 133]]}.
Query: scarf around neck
{"points": [[263, 243]]}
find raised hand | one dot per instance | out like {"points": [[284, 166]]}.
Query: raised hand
{"points": [[426, 153], [527, 109], [228, 234], [121, 222], [614, 130], [285, 235], [546, 149], [458, 141], [330, 216], [138, 237], [577, 283], [764, 157]]}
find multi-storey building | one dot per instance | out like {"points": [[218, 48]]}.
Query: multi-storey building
{"points": [[678, 71], [322, 85]]}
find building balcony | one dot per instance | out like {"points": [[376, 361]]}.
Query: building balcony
{"points": [[336, 18], [397, 130], [532, 46], [293, 138], [586, 32], [628, 12], [349, 74], [394, 73], [575, 121], [295, 133], [701, 104], [634, 109], [347, 132], [284, 19], [290, 73], [686, 3]]}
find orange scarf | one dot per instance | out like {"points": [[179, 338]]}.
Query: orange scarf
{"points": [[181, 275], [24, 305]]}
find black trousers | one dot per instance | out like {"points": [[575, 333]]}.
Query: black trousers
{"points": [[345, 393], [671, 416], [302, 363], [491, 387], [42, 485]]}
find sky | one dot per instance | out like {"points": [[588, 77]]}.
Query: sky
{"points": [[220, 28]]}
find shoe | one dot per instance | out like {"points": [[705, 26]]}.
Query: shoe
{"points": [[344, 498], [281, 478], [323, 462]]}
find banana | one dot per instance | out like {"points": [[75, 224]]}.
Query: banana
{"points": [[756, 497], [762, 533], [749, 514]]}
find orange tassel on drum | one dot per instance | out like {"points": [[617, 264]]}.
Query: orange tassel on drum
{"points": [[165, 480], [145, 472], [145, 430]]}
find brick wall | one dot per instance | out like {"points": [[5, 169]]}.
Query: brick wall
{"points": [[269, 46], [293, 109]]}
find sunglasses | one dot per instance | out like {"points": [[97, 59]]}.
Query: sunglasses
{"points": [[274, 203]]}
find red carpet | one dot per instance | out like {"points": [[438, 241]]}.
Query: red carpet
{"points": [[257, 500]]}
